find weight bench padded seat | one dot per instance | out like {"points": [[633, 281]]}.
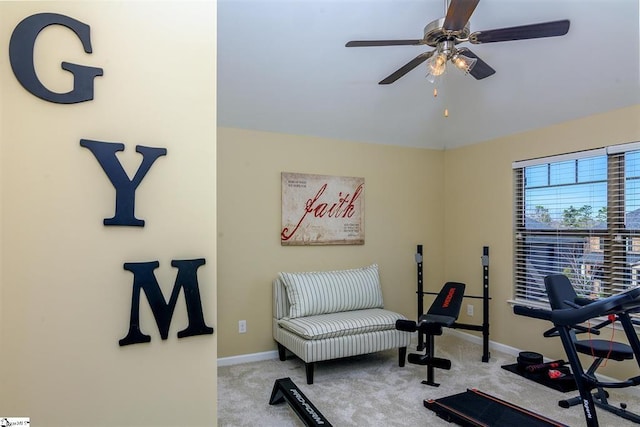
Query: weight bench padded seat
{"points": [[335, 314], [605, 349], [445, 309], [446, 321]]}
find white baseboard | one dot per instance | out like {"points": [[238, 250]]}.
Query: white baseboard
{"points": [[247, 358], [267, 355], [478, 340]]}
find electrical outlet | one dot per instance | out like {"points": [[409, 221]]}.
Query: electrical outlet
{"points": [[242, 326], [469, 309]]}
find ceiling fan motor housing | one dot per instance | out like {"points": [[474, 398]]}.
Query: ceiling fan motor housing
{"points": [[434, 33]]}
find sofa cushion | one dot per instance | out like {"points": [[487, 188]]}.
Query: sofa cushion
{"points": [[313, 293], [341, 323]]}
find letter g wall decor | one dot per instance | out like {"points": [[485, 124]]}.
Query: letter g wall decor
{"points": [[21, 51], [21, 47]]}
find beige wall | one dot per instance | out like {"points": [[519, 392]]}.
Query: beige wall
{"points": [[478, 188], [403, 208], [65, 298], [454, 202]]}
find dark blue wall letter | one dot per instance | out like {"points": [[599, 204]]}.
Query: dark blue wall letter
{"points": [[21, 47], [105, 152], [143, 278]]}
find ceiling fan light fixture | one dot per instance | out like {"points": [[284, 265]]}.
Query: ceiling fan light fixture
{"points": [[464, 63], [437, 64]]}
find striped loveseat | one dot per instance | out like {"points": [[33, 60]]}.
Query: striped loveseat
{"points": [[332, 314]]}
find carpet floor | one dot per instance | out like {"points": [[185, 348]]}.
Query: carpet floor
{"points": [[372, 390]]}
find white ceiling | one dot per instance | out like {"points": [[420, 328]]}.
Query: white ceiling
{"points": [[283, 67]]}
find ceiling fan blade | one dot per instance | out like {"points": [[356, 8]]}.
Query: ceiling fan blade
{"points": [[481, 69], [458, 14], [406, 68], [365, 43], [533, 31]]}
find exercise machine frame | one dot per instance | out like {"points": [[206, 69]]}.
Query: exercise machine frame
{"points": [[564, 320], [484, 327]]}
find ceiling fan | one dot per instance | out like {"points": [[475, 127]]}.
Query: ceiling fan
{"points": [[445, 33]]}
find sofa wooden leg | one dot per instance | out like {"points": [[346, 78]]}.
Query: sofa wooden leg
{"points": [[282, 352], [309, 369], [402, 356]]}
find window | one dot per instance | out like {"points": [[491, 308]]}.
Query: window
{"points": [[578, 214]]}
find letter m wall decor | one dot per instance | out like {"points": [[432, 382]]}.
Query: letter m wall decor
{"points": [[322, 210]]}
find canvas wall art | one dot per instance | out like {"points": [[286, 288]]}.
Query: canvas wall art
{"points": [[322, 210]]}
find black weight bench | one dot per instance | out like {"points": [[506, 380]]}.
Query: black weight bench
{"points": [[442, 314]]}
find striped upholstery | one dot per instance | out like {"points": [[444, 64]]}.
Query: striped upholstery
{"points": [[341, 324], [322, 292], [342, 345], [337, 347]]}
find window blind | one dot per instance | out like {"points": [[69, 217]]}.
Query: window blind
{"points": [[578, 214]]}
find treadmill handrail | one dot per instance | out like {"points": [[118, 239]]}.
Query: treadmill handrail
{"points": [[621, 302], [535, 312]]}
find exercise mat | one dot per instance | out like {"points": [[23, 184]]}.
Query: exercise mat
{"points": [[564, 382]]}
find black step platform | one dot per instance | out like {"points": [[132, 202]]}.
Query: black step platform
{"points": [[284, 390], [478, 409]]}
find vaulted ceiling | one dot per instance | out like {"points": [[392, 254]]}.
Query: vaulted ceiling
{"points": [[283, 67]]}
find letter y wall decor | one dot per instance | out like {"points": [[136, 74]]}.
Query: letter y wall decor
{"points": [[322, 210]]}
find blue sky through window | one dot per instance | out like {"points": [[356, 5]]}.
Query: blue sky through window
{"points": [[559, 186], [632, 185]]}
